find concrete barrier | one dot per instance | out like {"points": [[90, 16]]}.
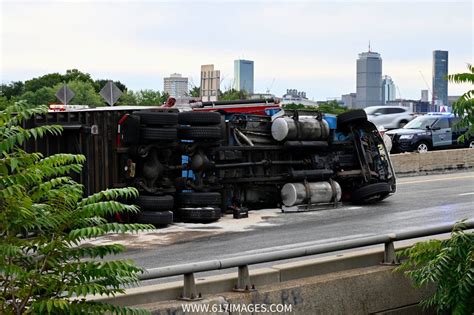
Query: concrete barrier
{"points": [[345, 283], [433, 162], [370, 290]]}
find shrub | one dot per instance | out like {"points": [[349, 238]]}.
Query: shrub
{"points": [[449, 265], [44, 220]]}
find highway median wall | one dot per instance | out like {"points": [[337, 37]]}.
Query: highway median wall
{"points": [[434, 162], [347, 283]]}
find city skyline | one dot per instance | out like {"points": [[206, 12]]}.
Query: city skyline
{"points": [[131, 42]]}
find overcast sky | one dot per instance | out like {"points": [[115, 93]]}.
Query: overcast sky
{"points": [[309, 46]]}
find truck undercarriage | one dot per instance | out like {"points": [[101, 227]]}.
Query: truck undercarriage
{"points": [[196, 165]]}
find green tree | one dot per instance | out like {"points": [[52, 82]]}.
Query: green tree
{"points": [[149, 97], [44, 219], [47, 80], [232, 94], [76, 75], [4, 102], [449, 266], [332, 107], [42, 96], [99, 84], [464, 106], [12, 89], [195, 92], [127, 98], [164, 97], [84, 93]]}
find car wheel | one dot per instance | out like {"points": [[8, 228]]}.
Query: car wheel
{"points": [[199, 215], [187, 199], [200, 133], [158, 218], [351, 117], [155, 203], [157, 118], [158, 134], [371, 193], [470, 144], [199, 118], [402, 123], [422, 147]]}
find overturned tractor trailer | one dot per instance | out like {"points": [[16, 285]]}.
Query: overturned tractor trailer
{"points": [[195, 165]]}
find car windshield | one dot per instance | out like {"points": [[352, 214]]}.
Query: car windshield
{"points": [[420, 122]]}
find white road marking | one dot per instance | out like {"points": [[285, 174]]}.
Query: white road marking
{"points": [[434, 180], [465, 194]]}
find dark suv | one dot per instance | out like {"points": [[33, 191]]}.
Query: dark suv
{"points": [[428, 132]]}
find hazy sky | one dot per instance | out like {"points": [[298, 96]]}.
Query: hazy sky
{"points": [[310, 46]]}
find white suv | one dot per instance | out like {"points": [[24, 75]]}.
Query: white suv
{"points": [[390, 117]]}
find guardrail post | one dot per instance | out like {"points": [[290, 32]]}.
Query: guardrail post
{"points": [[189, 289], [390, 257], [243, 280]]}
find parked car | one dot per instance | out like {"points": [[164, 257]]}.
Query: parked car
{"points": [[429, 132], [390, 117]]}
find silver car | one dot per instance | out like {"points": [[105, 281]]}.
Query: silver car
{"points": [[390, 117]]}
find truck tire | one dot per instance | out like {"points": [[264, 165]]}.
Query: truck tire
{"points": [[159, 218], [370, 193], [148, 133], [199, 118], [199, 215], [351, 117], [157, 118], [188, 199], [155, 203], [200, 133]]}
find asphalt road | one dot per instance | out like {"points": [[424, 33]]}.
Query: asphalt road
{"points": [[419, 202]]}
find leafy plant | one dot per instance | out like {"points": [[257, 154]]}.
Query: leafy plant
{"points": [[464, 106], [449, 266], [45, 265]]}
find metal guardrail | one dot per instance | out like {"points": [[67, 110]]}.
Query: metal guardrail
{"points": [[242, 262]]}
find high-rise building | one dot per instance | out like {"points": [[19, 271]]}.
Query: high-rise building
{"points": [[388, 89], [210, 83], [349, 100], [176, 85], [243, 75], [440, 84], [424, 96], [369, 79]]}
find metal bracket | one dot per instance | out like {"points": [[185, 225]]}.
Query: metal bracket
{"points": [[243, 281], [189, 289], [389, 256]]}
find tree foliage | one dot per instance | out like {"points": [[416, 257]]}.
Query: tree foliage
{"points": [[45, 267], [464, 106], [99, 84], [84, 93], [232, 94], [195, 92], [449, 265], [11, 89], [331, 107]]}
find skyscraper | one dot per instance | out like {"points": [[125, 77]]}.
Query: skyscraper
{"points": [[210, 83], [243, 75], [388, 89], [440, 84], [369, 79], [175, 85]]}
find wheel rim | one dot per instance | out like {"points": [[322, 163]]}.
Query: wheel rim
{"points": [[422, 147], [402, 124], [471, 144]]}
